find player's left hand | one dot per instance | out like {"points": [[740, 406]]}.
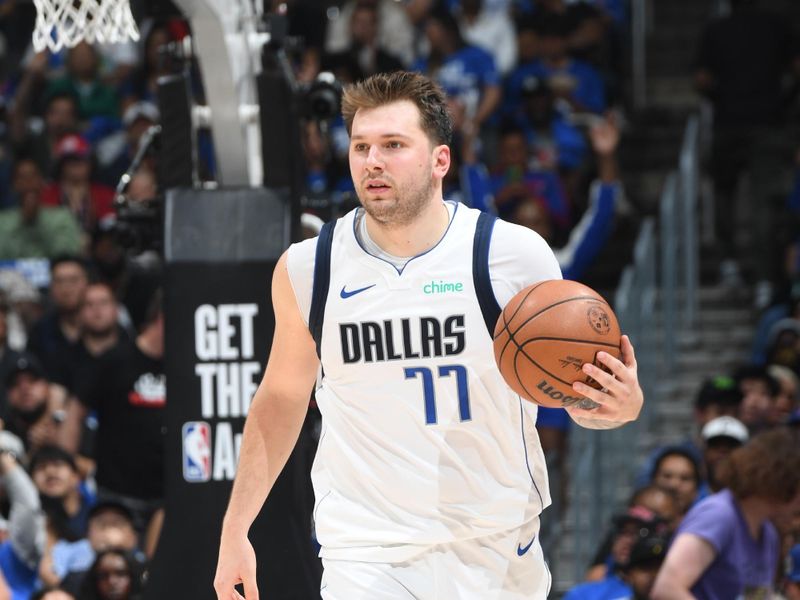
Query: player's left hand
{"points": [[620, 399]]}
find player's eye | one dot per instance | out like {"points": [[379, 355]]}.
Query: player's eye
{"points": [[360, 147], [394, 145]]}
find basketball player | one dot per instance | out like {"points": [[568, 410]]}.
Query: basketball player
{"points": [[429, 478]]}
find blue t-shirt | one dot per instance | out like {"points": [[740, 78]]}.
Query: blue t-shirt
{"points": [[610, 588], [19, 576], [589, 89], [743, 566], [463, 75]]}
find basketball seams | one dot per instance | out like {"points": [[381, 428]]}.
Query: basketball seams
{"points": [[564, 339], [559, 303], [506, 322], [516, 310]]}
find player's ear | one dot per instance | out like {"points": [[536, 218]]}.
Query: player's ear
{"points": [[441, 160]]}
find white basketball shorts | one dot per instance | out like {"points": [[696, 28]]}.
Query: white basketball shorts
{"points": [[504, 566]]}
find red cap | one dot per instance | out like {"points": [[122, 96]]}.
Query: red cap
{"points": [[73, 146]]}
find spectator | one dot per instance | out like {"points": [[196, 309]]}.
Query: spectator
{"points": [[8, 357], [678, 469], [20, 553], [59, 330], [110, 527], [365, 49], [395, 32], [30, 136], [133, 280], [722, 436], [35, 408], [759, 392], [65, 502], [584, 25], [142, 84], [555, 144], [718, 396], [24, 302], [744, 84], [787, 400], [114, 162], [74, 188], [513, 181], [727, 545], [82, 80], [467, 73], [589, 235], [99, 333], [660, 502], [491, 30], [128, 395], [113, 576], [576, 85], [633, 579], [636, 522], [31, 229]]}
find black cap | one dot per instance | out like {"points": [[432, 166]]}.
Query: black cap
{"points": [[112, 505], [24, 363], [720, 390]]}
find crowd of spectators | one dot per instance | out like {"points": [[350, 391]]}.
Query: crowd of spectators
{"points": [[535, 88]]}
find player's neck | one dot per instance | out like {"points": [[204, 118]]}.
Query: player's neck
{"points": [[416, 237]]}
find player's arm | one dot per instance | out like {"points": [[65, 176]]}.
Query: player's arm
{"points": [[687, 559], [620, 401], [270, 433]]}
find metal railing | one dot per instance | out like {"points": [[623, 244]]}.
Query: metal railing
{"points": [[656, 303]]}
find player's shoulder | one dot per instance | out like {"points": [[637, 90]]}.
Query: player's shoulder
{"points": [[513, 238]]}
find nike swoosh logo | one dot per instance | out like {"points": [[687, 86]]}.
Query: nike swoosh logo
{"points": [[345, 294], [521, 551]]}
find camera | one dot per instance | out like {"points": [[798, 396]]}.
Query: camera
{"points": [[321, 100]]}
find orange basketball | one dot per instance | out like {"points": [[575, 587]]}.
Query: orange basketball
{"points": [[546, 333]]}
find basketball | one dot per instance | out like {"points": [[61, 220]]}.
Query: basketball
{"points": [[546, 333]]}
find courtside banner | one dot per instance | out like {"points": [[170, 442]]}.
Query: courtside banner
{"points": [[219, 326]]}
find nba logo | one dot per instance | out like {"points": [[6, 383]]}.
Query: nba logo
{"points": [[196, 451]]}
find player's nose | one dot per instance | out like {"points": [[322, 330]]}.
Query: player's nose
{"points": [[374, 158]]}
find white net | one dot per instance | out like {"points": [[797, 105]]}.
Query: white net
{"points": [[64, 23]]}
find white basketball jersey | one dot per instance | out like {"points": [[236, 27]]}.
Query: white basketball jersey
{"points": [[422, 441]]}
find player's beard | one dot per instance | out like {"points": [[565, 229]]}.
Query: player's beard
{"points": [[406, 205]]}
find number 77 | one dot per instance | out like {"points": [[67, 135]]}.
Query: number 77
{"points": [[430, 395]]}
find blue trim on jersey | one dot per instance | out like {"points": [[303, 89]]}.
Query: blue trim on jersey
{"points": [[400, 270], [480, 271], [525, 447], [321, 283]]}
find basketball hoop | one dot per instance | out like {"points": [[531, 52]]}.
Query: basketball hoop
{"points": [[64, 23]]}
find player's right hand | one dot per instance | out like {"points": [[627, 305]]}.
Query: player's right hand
{"points": [[236, 564]]}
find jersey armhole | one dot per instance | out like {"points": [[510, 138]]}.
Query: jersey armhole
{"points": [[480, 271], [321, 283]]}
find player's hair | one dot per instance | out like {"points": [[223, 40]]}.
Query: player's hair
{"points": [[768, 466], [385, 88]]}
